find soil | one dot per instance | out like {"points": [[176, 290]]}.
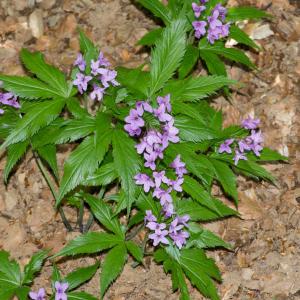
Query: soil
{"points": [[265, 263]]}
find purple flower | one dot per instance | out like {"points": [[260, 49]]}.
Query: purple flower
{"points": [[225, 147], [134, 119], [165, 101], [141, 147], [160, 177], [256, 137], [102, 60], [179, 238], [156, 226], [256, 148], [139, 106], [174, 226], [213, 34], [221, 10], [150, 161], [168, 210], [198, 9], [149, 216], [199, 27], [239, 156], [203, 1], [163, 195], [95, 67], [179, 166], [80, 62], [250, 123], [108, 76], [213, 20], [159, 237], [224, 30], [133, 130], [61, 288], [97, 93], [158, 151], [153, 137], [244, 145], [81, 82], [1, 111], [170, 132], [9, 99], [40, 295], [183, 220], [145, 180], [176, 184], [161, 114]]}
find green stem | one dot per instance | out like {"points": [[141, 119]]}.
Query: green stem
{"points": [[131, 235], [89, 223], [80, 216], [52, 189]]}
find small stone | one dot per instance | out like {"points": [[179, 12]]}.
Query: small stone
{"points": [[46, 4], [261, 32], [36, 23], [247, 273]]}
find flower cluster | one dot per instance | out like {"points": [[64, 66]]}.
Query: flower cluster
{"points": [[250, 143], [214, 25], [60, 287], [8, 99], [152, 145], [99, 73]]}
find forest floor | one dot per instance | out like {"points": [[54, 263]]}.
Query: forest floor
{"points": [[265, 263]]}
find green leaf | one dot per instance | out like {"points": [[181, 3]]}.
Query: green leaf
{"points": [[14, 154], [22, 292], [75, 109], [104, 214], [80, 296], [198, 269], [85, 43], [158, 9], [213, 63], [28, 88], [7, 294], [135, 80], [150, 37], [167, 54], [178, 276], [198, 193], [81, 275], [135, 250], [8, 121], [48, 154], [241, 37], [91, 242], [245, 13], [40, 116], [146, 202], [230, 53], [206, 239], [84, 160], [189, 60], [192, 131], [105, 175], [55, 275], [270, 155], [34, 266], [127, 163], [188, 109], [10, 275], [227, 179], [55, 78], [112, 266]]}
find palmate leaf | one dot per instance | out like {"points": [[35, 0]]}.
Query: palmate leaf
{"points": [[105, 175], [167, 54], [80, 276], [28, 88], [213, 63], [91, 242], [35, 63], [34, 266], [158, 9], [8, 122], [189, 60], [198, 268], [14, 154], [75, 109], [135, 250], [40, 115], [127, 163], [226, 178], [48, 154], [85, 43], [230, 53], [84, 160], [241, 37], [112, 266], [104, 215], [245, 13]]}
